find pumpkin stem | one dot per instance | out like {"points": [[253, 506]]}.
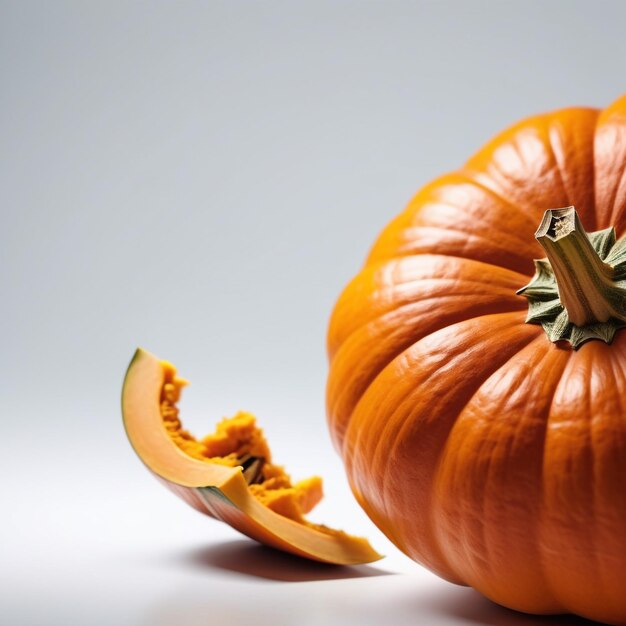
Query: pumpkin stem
{"points": [[585, 282], [579, 292]]}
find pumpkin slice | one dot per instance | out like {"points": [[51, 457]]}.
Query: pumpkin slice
{"points": [[228, 475]]}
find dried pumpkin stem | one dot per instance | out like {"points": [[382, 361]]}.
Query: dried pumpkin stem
{"points": [[586, 285]]}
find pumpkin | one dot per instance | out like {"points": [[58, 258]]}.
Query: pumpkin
{"points": [[477, 381], [228, 475]]}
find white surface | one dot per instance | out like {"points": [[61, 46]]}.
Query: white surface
{"points": [[202, 178], [94, 539]]}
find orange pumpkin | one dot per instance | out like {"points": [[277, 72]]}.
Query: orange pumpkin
{"points": [[484, 431]]}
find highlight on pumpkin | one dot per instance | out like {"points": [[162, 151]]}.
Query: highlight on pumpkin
{"points": [[239, 442]]}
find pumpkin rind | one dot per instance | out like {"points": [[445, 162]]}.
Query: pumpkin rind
{"points": [[214, 489], [484, 451]]}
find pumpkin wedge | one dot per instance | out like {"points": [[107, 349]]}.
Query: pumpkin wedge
{"points": [[227, 475]]}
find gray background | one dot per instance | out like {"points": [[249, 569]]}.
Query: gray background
{"points": [[201, 179]]}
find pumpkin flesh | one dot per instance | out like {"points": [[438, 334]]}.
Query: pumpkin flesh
{"points": [[209, 474]]}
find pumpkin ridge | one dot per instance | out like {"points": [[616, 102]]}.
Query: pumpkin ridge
{"points": [[619, 380], [594, 471], [617, 212], [380, 263], [341, 343], [539, 521], [595, 224], [545, 419], [595, 451], [385, 434], [487, 543], [557, 142], [400, 349], [383, 248], [469, 176], [607, 207], [487, 283], [492, 186], [398, 254], [534, 130], [557, 165], [548, 550], [435, 510], [612, 217], [453, 420]]}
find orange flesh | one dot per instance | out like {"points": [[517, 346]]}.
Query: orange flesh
{"points": [[236, 440]]}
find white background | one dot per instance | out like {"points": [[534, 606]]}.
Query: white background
{"points": [[201, 179]]}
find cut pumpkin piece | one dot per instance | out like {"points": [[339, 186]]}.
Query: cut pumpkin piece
{"points": [[228, 475]]}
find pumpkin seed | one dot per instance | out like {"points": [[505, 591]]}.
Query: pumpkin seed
{"points": [[252, 467]]}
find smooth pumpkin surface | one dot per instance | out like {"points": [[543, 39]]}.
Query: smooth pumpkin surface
{"points": [[228, 475], [484, 451]]}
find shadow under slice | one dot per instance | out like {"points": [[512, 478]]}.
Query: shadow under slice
{"points": [[249, 558]]}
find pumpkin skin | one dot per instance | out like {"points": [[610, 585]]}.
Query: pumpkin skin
{"points": [[221, 490], [485, 452]]}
